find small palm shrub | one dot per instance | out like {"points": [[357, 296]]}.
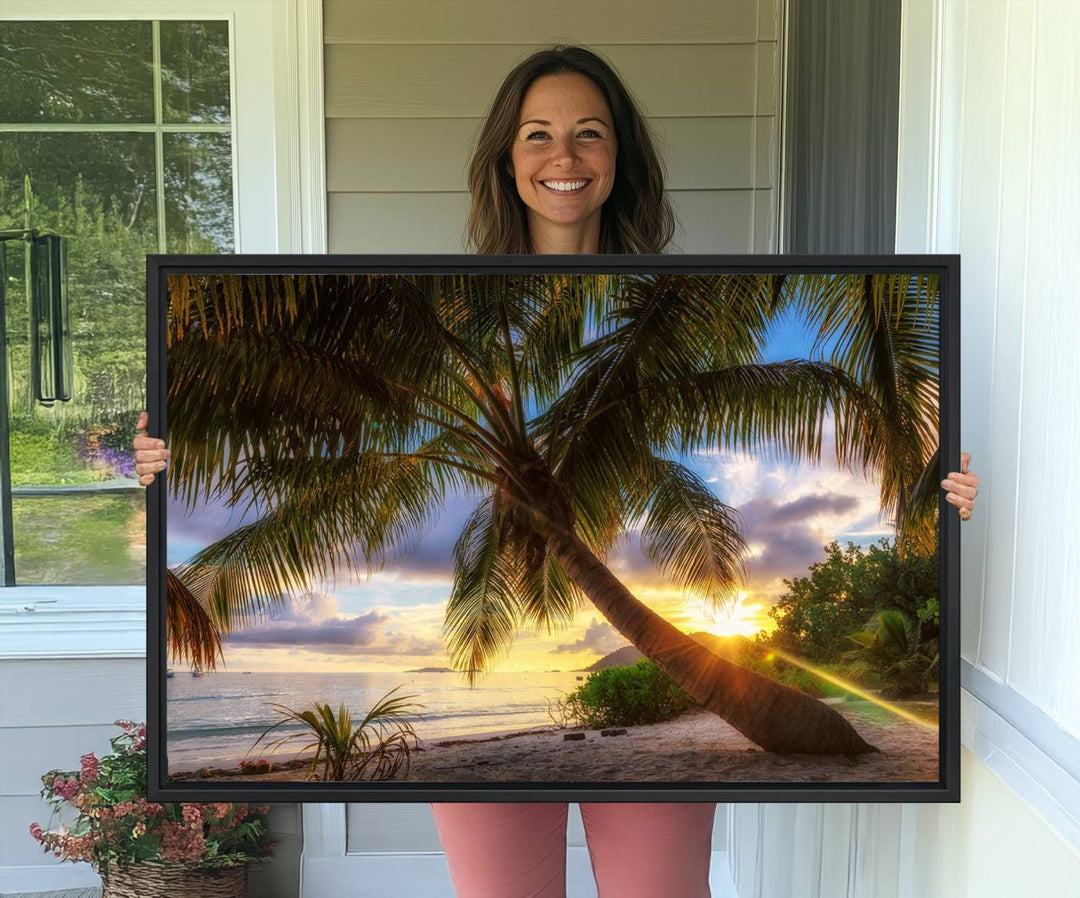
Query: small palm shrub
{"points": [[375, 749], [892, 647], [626, 696]]}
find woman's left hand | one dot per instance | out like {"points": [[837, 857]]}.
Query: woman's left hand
{"points": [[962, 487]]}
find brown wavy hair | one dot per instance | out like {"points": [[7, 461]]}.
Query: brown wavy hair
{"points": [[636, 217]]}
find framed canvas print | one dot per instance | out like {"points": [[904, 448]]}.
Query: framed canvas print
{"points": [[527, 528]]}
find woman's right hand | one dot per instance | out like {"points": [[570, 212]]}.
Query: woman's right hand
{"points": [[150, 453]]}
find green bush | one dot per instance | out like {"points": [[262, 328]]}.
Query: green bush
{"points": [[627, 696], [807, 681], [40, 458]]}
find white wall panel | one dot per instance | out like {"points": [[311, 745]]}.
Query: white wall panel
{"points": [[393, 154], [976, 164], [1045, 627], [407, 85], [438, 80], [1006, 356]]}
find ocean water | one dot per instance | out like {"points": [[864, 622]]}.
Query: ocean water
{"points": [[215, 720]]}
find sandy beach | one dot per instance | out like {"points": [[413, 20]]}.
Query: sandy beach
{"points": [[697, 747]]}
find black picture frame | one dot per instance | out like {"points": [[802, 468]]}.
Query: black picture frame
{"points": [[946, 789]]}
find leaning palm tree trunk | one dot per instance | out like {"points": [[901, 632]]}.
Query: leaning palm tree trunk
{"points": [[774, 716]]}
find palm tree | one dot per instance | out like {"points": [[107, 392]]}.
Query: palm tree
{"points": [[348, 409]]}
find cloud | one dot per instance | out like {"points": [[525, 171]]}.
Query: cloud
{"points": [[599, 638], [787, 514], [432, 557], [802, 509], [315, 622], [791, 536]]}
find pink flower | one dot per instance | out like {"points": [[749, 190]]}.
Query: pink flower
{"points": [[150, 808], [181, 842], [89, 768], [192, 813], [66, 789], [36, 832]]}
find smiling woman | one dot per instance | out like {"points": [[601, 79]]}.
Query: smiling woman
{"points": [[560, 117], [563, 164]]}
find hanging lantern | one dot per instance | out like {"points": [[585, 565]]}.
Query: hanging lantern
{"points": [[51, 360]]}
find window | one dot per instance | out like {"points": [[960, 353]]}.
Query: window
{"points": [[116, 135]]}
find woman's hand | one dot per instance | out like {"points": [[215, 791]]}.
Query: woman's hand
{"points": [[962, 487], [150, 453]]}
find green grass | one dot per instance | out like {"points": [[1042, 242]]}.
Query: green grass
{"points": [[39, 459], [81, 539]]}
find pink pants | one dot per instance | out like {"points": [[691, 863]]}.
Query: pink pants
{"points": [[506, 850]]}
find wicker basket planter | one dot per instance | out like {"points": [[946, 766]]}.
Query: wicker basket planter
{"points": [[148, 879]]}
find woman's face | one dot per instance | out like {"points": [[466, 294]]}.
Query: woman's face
{"points": [[563, 154]]}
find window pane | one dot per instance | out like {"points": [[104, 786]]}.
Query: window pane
{"points": [[198, 193], [79, 516], [195, 71], [76, 72], [98, 191], [81, 540]]}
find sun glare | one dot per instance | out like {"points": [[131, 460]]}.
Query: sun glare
{"points": [[742, 619]]}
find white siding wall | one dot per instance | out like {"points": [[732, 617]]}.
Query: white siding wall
{"points": [[82, 696], [407, 85], [989, 130]]}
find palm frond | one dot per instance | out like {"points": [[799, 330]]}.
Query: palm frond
{"points": [[885, 330], [692, 536], [549, 598], [270, 397], [483, 609], [339, 513], [917, 531], [774, 410], [190, 633]]}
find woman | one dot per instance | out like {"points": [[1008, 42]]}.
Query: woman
{"points": [[565, 164]]}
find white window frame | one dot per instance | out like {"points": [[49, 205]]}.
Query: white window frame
{"points": [[279, 202]]}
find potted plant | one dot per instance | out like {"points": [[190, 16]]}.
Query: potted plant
{"points": [[141, 847]]}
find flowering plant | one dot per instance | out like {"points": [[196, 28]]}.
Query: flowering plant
{"points": [[117, 825]]}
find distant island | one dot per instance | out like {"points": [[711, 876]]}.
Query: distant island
{"points": [[725, 646], [431, 670]]}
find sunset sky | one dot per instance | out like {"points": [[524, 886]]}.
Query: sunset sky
{"points": [[393, 621]]}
